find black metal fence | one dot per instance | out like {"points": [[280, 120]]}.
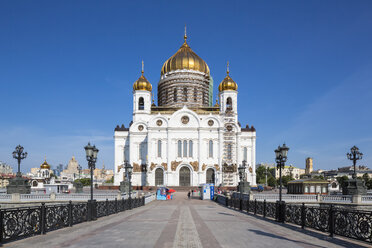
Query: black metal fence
{"points": [[349, 223], [18, 223]]}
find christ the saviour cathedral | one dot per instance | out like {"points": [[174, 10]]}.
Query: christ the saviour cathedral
{"points": [[185, 140]]}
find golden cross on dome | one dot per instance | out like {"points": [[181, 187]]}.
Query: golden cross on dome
{"points": [[185, 36], [143, 67], [228, 69]]}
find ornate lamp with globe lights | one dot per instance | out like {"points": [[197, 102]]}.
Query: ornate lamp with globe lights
{"points": [[281, 157], [91, 155], [354, 186], [19, 184]]}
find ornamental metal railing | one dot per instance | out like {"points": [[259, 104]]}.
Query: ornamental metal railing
{"points": [[355, 224], [16, 223]]}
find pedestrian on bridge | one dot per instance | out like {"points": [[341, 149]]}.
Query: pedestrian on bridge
{"points": [[189, 194]]}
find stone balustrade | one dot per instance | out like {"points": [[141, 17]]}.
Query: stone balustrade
{"points": [[62, 197], [296, 198]]}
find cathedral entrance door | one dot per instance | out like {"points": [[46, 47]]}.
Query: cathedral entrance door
{"points": [[184, 176], [159, 177], [210, 176]]}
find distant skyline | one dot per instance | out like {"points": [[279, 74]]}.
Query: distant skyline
{"points": [[303, 69]]}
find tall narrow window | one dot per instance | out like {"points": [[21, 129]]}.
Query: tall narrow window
{"points": [[185, 148], [195, 94], [142, 151], [229, 103], [185, 94], [166, 96], [141, 104], [245, 153], [229, 151], [175, 94], [159, 148], [190, 148], [203, 98], [210, 153], [179, 148]]}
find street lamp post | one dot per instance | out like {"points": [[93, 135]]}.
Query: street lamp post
{"points": [[91, 154], [354, 155], [128, 170], [18, 154], [242, 182], [19, 184], [354, 186], [280, 158]]}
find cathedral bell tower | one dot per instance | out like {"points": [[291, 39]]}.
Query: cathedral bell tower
{"points": [[228, 94], [141, 96]]}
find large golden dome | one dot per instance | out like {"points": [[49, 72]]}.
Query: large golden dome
{"points": [[142, 83], [185, 58], [228, 83], [45, 165]]}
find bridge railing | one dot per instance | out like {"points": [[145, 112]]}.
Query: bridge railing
{"points": [[355, 224], [16, 223]]}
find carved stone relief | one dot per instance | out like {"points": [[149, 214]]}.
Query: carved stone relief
{"points": [[217, 167], [195, 165], [152, 166], [204, 166], [136, 167], [174, 165], [165, 165]]}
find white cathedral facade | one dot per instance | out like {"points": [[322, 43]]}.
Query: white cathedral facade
{"points": [[185, 140]]}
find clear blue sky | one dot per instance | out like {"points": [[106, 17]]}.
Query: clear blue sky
{"points": [[304, 70]]}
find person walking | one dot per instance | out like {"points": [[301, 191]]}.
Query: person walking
{"points": [[189, 194]]}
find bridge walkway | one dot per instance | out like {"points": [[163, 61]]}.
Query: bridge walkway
{"points": [[183, 223]]}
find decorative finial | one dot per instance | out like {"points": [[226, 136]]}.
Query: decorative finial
{"points": [[143, 68], [227, 69], [185, 36]]}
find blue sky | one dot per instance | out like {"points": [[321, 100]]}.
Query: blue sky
{"points": [[304, 70]]}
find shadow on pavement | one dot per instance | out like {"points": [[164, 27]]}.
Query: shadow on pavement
{"points": [[321, 236]]}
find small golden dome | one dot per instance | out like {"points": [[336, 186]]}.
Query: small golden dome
{"points": [[45, 165], [142, 83], [228, 83], [185, 58]]}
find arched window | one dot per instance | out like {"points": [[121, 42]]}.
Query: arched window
{"points": [[175, 94], [229, 151], [195, 94], [185, 148], [141, 104], [159, 148], [210, 153], [179, 148], [245, 154], [166, 96], [190, 148], [203, 98], [185, 94], [229, 103]]}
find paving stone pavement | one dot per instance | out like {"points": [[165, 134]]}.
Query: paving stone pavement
{"points": [[183, 223]]}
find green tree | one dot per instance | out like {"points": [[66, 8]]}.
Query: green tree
{"points": [[285, 180], [341, 180], [319, 177], [84, 181], [271, 181]]}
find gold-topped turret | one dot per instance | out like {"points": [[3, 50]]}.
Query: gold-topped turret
{"points": [[228, 83], [185, 58], [142, 83], [45, 165]]}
